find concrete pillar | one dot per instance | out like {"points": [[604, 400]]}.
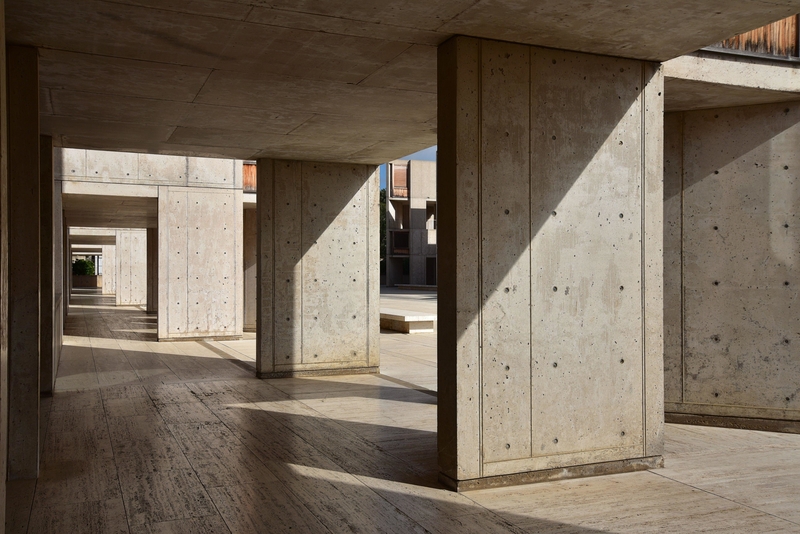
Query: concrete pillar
{"points": [[250, 247], [58, 274], [550, 232], [23, 261], [152, 270], [732, 267], [47, 368], [200, 263], [318, 309], [131, 271], [110, 269], [4, 204]]}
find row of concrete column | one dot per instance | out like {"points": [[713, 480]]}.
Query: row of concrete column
{"points": [[551, 277]]}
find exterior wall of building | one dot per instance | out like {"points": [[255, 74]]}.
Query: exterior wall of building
{"points": [[732, 265], [410, 224], [109, 269], [550, 297]]}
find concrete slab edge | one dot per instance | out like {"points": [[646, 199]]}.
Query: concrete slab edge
{"points": [[201, 338], [550, 475], [320, 372], [744, 423]]}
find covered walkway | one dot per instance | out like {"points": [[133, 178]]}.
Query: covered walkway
{"points": [[180, 437]]}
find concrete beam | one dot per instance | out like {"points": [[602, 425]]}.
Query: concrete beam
{"points": [[550, 299], [23, 251]]}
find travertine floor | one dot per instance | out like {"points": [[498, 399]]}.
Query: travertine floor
{"points": [[179, 437]]}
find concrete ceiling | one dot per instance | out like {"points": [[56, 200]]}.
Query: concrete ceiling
{"points": [[687, 95], [351, 80], [99, 211]]}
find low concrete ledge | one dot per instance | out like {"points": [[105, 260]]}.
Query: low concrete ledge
{"points": [[299, 373], [549, 475], [407, 321], [745, 423]]}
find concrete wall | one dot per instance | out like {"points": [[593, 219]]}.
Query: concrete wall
{"points": [[200, 262], [131, 271], [152, 270], [732, 269], [318, 309], [109, 269], [250, 248], [550, 294], [4, 205], [78, 165]]}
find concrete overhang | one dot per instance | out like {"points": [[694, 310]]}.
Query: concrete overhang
{"points": [[92, 239], [110, 211], [350, 81], [79, 250], [709, 79]]}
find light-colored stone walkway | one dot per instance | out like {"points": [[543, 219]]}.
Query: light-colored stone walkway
{"points": [[180, 437]]}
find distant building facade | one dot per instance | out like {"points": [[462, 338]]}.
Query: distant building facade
{"points": [[411, 223]]}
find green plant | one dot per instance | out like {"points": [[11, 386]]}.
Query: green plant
{"points": [[82, 267]]}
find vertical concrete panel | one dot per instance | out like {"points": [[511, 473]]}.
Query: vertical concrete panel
{"points": [[58, 274], [335, 261], [505, 251], [587, 180], [288, 287], [152, 270], [109, 269], [265, 268], [131, 267], [459, 259], [741, 264], [249, 260], [23, 262], [551, 194], [315, 243], [653, 256], [372, 207], [201, 240], [673, 283], [3, 271], [47, 351]]}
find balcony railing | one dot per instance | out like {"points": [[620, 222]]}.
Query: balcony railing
{"points": [[399, 191]]}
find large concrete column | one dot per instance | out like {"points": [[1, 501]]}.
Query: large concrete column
{"points": [[131, 268], [200, 263], [110, 269], [47, 351], [152, 270], [550, 297], [250, 248], [58, 274], [732, 267], [318, 309], [4, 204], [23, 261]]}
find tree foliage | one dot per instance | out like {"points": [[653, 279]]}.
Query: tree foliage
{"points": [[83, 267]]}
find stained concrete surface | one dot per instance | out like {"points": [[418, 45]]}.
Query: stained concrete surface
{"points": [[176, 437]]}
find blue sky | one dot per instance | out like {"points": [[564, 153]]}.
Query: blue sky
{"points": [[429, 154]]}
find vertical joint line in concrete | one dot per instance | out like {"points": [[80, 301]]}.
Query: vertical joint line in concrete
{"points": [[367, 271], [272, 343], [299, 320], [479, 93], [645, 258], [683, 300], [530, 238]]}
